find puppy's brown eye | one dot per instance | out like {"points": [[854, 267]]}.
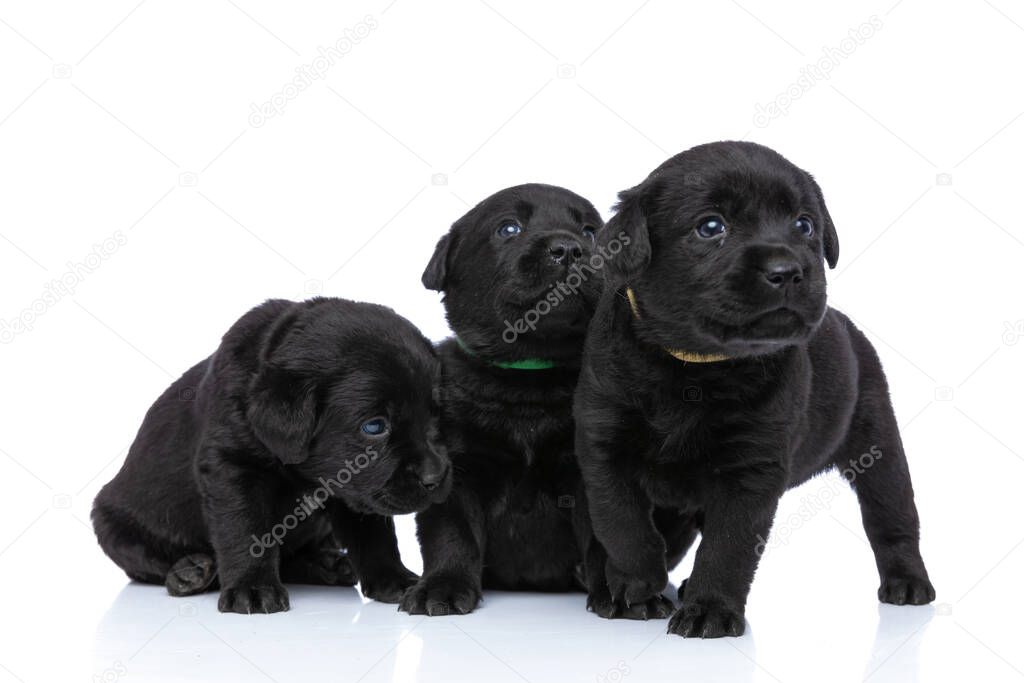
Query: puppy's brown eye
{"points": [[804, 225], [509, 229], [712, 227], [590, 232], [378, 426]]}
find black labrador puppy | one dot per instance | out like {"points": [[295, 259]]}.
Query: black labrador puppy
{"points": [[312, 422], [715, 377], [520, 284]]}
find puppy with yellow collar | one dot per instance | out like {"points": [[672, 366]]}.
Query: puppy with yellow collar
{"points": [[715, 377]]}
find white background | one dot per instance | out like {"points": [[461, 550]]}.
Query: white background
{"points": [[132, 122]]}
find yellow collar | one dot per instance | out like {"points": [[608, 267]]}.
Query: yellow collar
{"points": [[685, 356]]}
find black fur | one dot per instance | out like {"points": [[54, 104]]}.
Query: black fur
{"points": [[258, 435], [666, 445], [511, 521]]}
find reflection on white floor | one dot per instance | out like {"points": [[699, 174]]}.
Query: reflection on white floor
{"points": [[812, 616], [513, 638]]}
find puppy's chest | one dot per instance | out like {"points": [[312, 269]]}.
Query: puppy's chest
{"points": [[677, 462], [692, 443], [509, 426], [509, 443], [521, 472]]}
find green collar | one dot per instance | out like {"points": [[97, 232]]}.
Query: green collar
{"points": [[525, 364]]}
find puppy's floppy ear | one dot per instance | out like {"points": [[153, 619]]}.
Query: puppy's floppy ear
{"points": [[282, 412], [830, 238], [628, 227], [282, 400], [436, 273]]}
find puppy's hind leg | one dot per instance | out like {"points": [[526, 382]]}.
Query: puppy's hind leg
{"points": [[146, 558], [680, 531], [319, 567], [128, 546], [321, 562], [873, 461], [193, 573]]}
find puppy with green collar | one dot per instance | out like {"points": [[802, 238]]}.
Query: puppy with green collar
{"points": [[520, 282]]}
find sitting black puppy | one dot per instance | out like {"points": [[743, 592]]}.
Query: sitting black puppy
{"points": [[715, 377], [520, 284], [312, 420]]}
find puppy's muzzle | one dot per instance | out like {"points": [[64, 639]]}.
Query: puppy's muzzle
{"points": [[564, 250], [434, 473], [431, 479], [780, 272], [769, 272]]}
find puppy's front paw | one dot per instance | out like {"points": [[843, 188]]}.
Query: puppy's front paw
{"points": [[602, 604], [706, 620], [439, 596], [254, 599], [906, 590], [633, 589], [387, 585]]}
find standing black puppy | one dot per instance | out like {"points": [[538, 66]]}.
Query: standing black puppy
{"points": [[519, 288], [715, 377], [312, 420]]}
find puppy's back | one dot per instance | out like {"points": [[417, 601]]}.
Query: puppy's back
{"points": [[154, 500]]}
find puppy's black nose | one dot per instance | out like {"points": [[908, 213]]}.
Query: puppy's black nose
{"points": [[781, 272], [432, 478], [565, 251]]}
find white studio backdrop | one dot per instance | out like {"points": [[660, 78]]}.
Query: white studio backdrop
{"points": [[164, 166]]}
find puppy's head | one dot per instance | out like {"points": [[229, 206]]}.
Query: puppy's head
{"points": [[343, 396], [516, 273], [727, 248]]}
